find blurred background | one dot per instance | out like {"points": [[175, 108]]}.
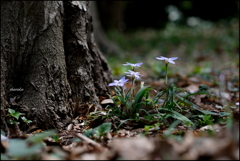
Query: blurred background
{"points": [[205, 36]]}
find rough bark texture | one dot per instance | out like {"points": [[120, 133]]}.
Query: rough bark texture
{"points": [[49, 52]]}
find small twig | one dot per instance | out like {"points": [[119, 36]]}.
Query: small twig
{"points": [[89, 141]]}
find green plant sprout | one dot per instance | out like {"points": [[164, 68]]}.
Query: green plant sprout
{"points": [[14, 117], [99, 131], [155, 126], [206, 120], [103, 129]]}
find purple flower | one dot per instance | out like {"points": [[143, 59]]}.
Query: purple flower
{"points": [[131, 73], [120, 82], [133, 65], [170, 60]]}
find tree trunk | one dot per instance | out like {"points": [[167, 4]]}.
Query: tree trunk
{"points": [[49, 53], [106, 45], [111, 14]]}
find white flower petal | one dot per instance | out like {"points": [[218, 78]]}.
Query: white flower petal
{"points": [[127, 63], [120, 82], [111, 84], [170, 61], [164, 57], [138, 64], [133, 65], [160, 58], [173, 58]]}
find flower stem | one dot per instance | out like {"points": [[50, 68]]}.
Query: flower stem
{"points": [[133, 83], [121, 89], [166, 78], [123, 93]]}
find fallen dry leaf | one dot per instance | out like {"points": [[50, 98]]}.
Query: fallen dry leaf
{"points": [[132, 149], [192, 88]]}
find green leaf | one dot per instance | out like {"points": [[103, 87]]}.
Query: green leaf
{"points": [[178, 116], [168, 133], [56, 137], [40, 136], [104, 128], [200, 92], [89, 132], [120, 97], [13, 122], [203, 88], [116, 108], [17, 114], [25, 119], [158, 96], [138, 98], [14, 114], [119, 94], [196, 107], [222, 114], [122, 122], [11, 111], [20, 148]]}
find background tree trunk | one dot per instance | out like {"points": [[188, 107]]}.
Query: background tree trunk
{"points": [[106, 45], [111, 14], [48, 51]]}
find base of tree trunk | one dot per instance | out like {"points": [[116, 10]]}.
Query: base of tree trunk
{"points": [[49, 53]]}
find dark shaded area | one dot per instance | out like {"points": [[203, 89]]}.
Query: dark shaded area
{"points": [[210, 11], [153, 14]]}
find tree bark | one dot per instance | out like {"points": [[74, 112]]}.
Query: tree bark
{"points": [[49, 52]]}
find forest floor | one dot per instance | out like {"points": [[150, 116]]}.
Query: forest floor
{"points": [[207, 55]]}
